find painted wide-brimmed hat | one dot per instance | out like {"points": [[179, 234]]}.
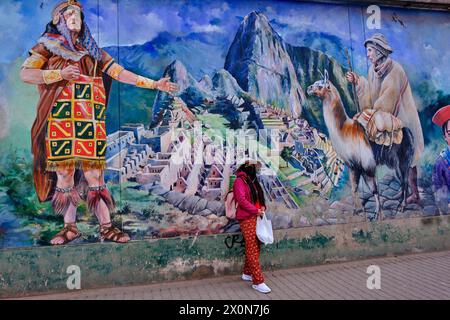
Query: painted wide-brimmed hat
{"points": [[442, 116]]}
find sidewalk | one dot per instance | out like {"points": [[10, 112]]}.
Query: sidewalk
{"points": [[417, 276]]}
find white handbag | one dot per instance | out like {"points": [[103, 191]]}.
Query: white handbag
{"points": [[264, 230]]}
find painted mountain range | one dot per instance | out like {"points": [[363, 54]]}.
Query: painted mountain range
{"points": [[258, 63]]}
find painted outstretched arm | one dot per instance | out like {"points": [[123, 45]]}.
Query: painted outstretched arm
{"points": [[37, 76], [120, 74]]}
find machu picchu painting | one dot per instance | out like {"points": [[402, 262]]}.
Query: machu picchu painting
{"points": [[263, 78]]}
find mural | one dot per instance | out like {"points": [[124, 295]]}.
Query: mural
{"points": [[338, 114]]}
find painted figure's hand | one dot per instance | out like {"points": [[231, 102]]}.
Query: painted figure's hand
{"points": [[164, 84], [356, 116], [70, 73], [352, 77]]}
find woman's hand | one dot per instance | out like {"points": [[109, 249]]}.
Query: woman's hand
{"points": [[260, 212], [164, 84]]}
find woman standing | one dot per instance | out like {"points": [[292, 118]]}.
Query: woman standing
{"points": [[250, 201]]}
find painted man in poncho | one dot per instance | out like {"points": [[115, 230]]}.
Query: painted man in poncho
{"points": [[74, 76], [386, 98]]}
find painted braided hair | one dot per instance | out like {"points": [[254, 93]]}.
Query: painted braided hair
{"points": [[252, 181], [87, 40]]}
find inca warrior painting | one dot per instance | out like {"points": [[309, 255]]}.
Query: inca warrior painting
{"points": [[69, 134], [336, 110]]}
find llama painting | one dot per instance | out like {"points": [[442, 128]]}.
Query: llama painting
{"points": [[359, 153]]}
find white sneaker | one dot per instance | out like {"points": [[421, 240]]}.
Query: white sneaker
{"points": [[262, 287], [246, 277]]}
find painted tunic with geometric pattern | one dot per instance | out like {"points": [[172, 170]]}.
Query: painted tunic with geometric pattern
{"points": [[76, 129]]}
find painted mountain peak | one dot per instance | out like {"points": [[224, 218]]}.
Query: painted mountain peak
{"points": [[260, 63], [224, 84]]}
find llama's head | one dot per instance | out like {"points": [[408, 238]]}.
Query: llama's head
{"points": [[320, 88]]}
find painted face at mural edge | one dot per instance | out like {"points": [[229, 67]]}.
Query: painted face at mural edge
{"points": [[73, 19], [447, 133]]}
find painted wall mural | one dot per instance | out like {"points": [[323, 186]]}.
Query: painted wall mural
{"points": [[337, 109]]}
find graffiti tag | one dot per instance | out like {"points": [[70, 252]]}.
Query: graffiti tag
{"points": [[231, 240]]}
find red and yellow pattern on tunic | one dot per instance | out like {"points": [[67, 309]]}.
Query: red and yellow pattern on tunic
{"points": [[76, 132]]}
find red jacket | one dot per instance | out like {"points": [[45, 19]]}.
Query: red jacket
{"points": [[245, 208]]}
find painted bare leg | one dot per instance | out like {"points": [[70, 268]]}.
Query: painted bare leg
{"points": [[101, 203], [65, 202]]}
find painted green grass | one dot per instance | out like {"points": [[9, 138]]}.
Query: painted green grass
{"points": [[215, 121], [127, 195], [288, 170], [297, 182], [298, 200]]}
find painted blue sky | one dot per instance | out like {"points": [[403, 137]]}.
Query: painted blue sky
{"points": [[419, 46]]}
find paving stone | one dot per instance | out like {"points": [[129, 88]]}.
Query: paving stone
{"points": [[426, 278]]}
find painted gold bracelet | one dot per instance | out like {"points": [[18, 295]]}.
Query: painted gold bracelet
{"points": [[147, 83], [52, 76]]}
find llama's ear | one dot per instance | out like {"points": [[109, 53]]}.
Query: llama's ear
{"points": [[326, 75], [321, 74]]}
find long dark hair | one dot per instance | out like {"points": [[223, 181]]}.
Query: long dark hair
{"points": [[252, 181]]}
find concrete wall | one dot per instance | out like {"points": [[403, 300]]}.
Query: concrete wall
{"points": [[43, 270]]}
